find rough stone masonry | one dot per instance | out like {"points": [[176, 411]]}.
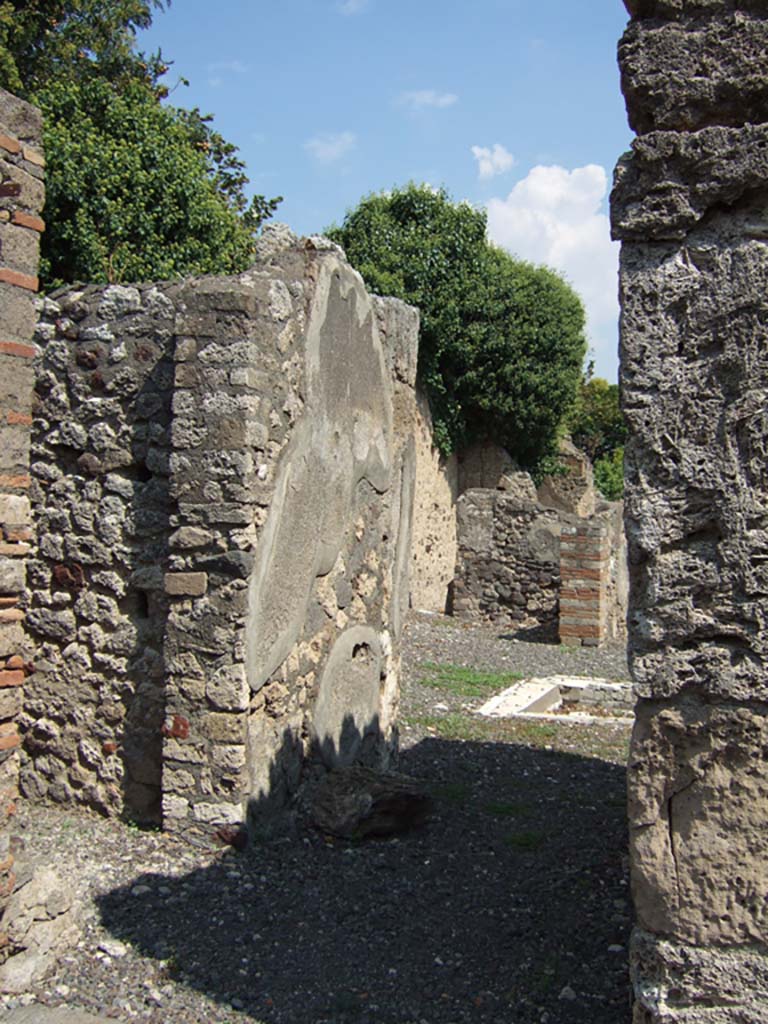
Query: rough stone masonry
{"points": [[222, 481], [690, 206]]}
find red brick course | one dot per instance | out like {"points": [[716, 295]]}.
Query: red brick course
{"points": [[28, 220], [17, 348], [19, 280]]}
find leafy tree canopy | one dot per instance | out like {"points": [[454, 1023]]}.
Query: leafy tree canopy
{"points": [[135, 189], [597, 427], [609, 474], [596, 422], [502, 341]]}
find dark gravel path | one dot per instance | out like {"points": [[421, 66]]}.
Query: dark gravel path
{"points": [[509, 906]]}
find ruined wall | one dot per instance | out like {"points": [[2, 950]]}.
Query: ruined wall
{"points": [[690, 205], [540, 567], [440, 480], [224, 478], [21, 200], [508, 568], [574, 489], [100, 469], [433, 558]]}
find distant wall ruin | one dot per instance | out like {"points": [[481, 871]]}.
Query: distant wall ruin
{"points": [[223, 479], [690, 205], [548, 564]]}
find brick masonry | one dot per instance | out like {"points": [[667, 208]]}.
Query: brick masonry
{"points": [[585, 567], [21, 200]]}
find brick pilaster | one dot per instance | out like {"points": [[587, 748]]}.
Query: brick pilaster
{"points": [[585, 560], [21, 200]]}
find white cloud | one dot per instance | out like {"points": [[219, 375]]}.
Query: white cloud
{"points": [[492, 160], [421, 98], [557, 217], [329, 147], [352, 6], [219, 69]]}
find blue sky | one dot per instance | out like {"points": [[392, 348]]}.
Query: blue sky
{"points": [[513, 105]]}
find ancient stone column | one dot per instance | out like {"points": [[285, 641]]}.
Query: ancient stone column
{"points": [[690, 206]]}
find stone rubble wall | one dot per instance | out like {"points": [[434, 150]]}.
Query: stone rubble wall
{"points": [[223, 485], [100, 467], [508, 569], [22, 195], [689, 206]]}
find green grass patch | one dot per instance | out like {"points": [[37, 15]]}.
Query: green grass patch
{"points": [[465, 682], [533, 732], [452, 727]]}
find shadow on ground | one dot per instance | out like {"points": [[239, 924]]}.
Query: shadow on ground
{"points": [[503, 908]]}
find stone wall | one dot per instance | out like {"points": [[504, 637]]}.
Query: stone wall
{"points": [[433, 558], [21, 201], [574, 489], [101, 475], [689, 206], [508, 568], [223, 481], [548, 564], [440, 480]]}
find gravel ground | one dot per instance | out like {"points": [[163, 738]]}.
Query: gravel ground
{"points": [[510, 906]]}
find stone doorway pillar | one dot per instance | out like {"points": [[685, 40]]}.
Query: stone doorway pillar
{"points": [[690, 205]]}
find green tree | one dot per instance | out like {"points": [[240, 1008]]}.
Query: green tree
{"points": [[596, 422], [136, 189], [597, 426], [502, 342], [609, 474]]}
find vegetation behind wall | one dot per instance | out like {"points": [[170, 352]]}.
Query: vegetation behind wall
{"points": [[137, 189], [502, 341]]}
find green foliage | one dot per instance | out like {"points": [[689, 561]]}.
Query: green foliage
{"points": [[597, 427], [502, 341], [41, 40], [609, 475], [135, 189], [596, 422]]}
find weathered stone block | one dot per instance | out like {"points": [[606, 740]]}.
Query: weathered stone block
{"points": [[12, 576], [662, 77], [228, 689], [698, 805], [223, 727], [186, 584], [20, 119], [218, 814], [682, 984], [665, 185]]}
